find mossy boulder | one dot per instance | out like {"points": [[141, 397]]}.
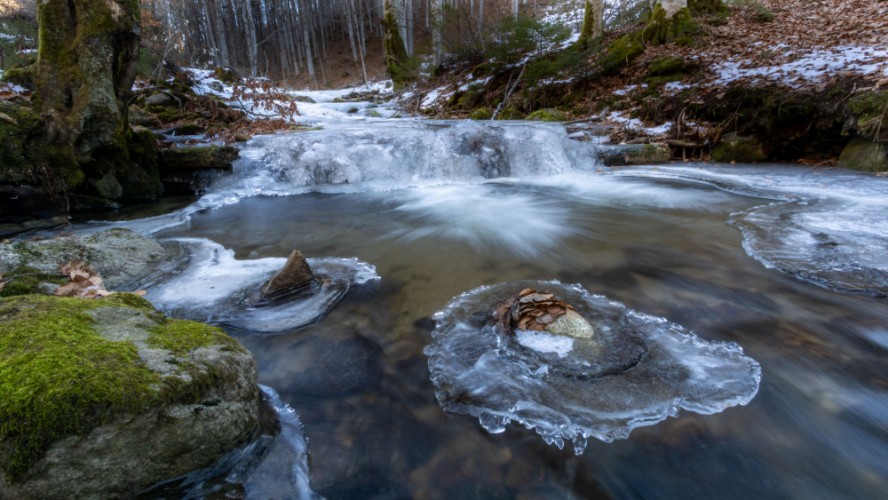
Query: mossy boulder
{"points": [[101, 398], [738, 148], [120, 256], [547, 115], [621, 53], [635, 154], [510, 113], [870, 114], [863, 154], [481, 114]]}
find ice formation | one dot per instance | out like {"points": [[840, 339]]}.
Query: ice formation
{"points": [[211, 285], [637, 371]]}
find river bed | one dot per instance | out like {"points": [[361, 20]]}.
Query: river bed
{"points": [[786, 262]]}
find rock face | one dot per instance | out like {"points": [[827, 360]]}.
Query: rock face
{"points": [[294, 278], [121, 256], [153, 398]]}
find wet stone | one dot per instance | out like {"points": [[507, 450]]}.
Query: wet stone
{"points": [[295, 278]]}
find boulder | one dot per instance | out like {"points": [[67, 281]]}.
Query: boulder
{"points": [[121, 256], [117, 399], [547, 115], [740, 149], [635, 154], [863, 154], [295, 277]]}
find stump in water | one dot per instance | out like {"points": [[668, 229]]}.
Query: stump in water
{"points": [[295, 278], [541, 312]]}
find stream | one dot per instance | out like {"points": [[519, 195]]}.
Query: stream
{"points": [[788, 263]]}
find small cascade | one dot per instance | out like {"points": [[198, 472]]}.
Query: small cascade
{"points": [[391, 154]]}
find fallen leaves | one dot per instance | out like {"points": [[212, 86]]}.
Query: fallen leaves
{"points": [[530, 310], [84, 281]]}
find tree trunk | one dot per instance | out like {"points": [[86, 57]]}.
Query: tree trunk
{"points": [[88, 52], [670, 6]]}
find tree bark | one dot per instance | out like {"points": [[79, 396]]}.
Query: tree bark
{"points": [[88, 51]]}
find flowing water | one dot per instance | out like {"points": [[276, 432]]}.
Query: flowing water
{"points": [[786, 263]]}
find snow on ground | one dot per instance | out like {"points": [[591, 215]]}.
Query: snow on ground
{"points": [[636, 124], [325, 105], [809, 66]]}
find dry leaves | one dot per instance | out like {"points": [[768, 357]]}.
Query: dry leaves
{"points": [[530, 310], [85, 282]]}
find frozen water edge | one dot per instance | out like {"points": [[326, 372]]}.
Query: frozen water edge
{"points": [[214, 287], [480, 373], [826, 227]]}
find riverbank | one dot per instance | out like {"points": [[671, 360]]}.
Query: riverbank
{"points": [[780, 81]]}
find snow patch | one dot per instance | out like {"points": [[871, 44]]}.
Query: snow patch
{"points": [[811, 66]]}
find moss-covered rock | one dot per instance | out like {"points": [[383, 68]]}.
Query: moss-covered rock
{"points": [[547, 115], [481, 114], [863, 154], [870, 114], [121, 256], [738, 148], [101, 398], [668, 65], [621, 53], [635, 154], [510, 113]]}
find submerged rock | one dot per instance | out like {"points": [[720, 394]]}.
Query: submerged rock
{"points": [[118, 399]]}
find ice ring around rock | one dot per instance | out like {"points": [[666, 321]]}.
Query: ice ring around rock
{"points": [[634, 370], [212, 286]]}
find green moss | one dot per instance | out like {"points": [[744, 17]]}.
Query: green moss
{"points": [[588, 30], [398, 64], [663, 66], [861, 154], [15, 153], [621, 53], [736, 148], [547, 115], [59, 377], [481, 114], [510, 113], [181, 337], [23, 76], [26, 280], [660, 30], [870, 111]]}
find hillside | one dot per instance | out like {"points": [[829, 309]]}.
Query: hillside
{"points": [[728, 73]]}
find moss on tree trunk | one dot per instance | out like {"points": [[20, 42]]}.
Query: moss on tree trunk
{"points": [[397, 62], [86, 66]]}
